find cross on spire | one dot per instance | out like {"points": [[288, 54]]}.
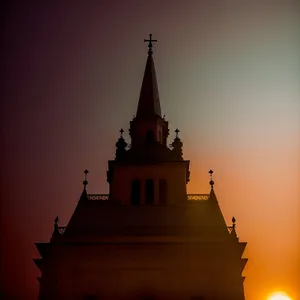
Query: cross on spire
{"points": [[150, 43], [121, 131], [177, 132]]}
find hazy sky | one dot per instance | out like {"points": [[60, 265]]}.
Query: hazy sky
{"points": [[228, 75]]}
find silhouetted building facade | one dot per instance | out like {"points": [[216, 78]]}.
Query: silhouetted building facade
{"points": [[146, 239]]}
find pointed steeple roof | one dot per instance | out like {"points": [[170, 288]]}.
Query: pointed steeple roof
{"points": [[149, 105]]}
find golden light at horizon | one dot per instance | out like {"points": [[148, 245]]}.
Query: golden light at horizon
{"points": [[279, 296]]}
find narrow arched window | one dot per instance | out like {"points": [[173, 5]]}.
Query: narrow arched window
{"points": [[149, 191], [135, 192], [162, 191], [149, 135]]}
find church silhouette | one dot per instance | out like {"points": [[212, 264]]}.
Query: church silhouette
{"points": [[148, 238]]}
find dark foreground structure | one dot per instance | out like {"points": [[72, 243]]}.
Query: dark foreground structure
{"points": [[146, 239]]}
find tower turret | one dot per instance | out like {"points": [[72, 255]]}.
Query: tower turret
{"points": [[148, 171], [148, 124], [121, 147], [177, 146]]}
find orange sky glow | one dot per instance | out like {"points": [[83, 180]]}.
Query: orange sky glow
{"points": [[228, 77]]}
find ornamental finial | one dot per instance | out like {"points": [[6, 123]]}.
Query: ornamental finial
{"points": [[211, 182], [150, 43], [121, 132], [233, 222], [177, 132], [56, 224], [85, 182]]}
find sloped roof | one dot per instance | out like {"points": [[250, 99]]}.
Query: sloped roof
{"points": [[105, 218]]}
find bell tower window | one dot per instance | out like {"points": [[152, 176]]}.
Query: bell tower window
{"points": [[136, 192], [149, 135], [149, 191]]}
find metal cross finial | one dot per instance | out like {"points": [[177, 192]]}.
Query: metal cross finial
{"points": [[177, 131], [121, 131], [85, 182], [150, 43]]}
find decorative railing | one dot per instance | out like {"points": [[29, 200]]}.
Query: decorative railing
{"points": [[197, 197], [98, 197], [190, 197]]}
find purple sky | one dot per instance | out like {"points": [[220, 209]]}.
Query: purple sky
{"points": [[228, 76]]}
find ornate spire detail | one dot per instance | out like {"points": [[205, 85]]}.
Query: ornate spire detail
{"points": [[150, 44], [121, 146], [233, 231], [233, 222], [149, 105], [212, 195], [85, 182], [211, 182], [84, 195], [177, 145]]}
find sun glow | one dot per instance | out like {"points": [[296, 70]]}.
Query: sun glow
{"points": [[279, 296]]}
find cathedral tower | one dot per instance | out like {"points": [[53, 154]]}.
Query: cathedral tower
{"points": [[144, 173], [146, 239]]}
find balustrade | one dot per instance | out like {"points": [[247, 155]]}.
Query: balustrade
{"points": [[190, 197]]}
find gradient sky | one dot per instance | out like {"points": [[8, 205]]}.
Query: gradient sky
{"points": [[228, 74]]}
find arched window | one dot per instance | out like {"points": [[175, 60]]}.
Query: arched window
{"points": [[162, 191], [135, 192], [149, 191], [149, 135]]}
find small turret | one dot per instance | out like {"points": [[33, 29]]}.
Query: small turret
{"points": [[121, 146], [177, 146]]}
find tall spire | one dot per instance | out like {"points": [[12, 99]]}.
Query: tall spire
{"points": [[149, 105]]}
